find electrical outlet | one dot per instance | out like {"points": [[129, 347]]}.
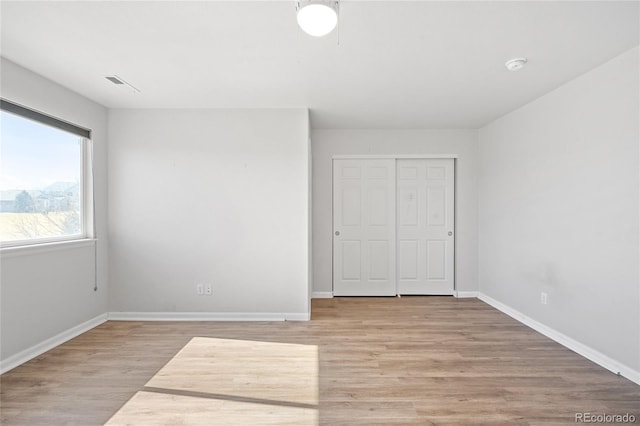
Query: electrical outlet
{"points": [[199, 289], [208, 289], [543, 298]]}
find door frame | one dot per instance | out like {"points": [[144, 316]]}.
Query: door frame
{"points": [[454, 157]]}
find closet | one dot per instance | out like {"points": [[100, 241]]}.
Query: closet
{"points": [[393, 226]]}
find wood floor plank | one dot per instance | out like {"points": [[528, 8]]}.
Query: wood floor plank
{"points": [[410, 360]]}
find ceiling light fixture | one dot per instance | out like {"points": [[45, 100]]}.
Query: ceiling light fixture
{"points": [[515, 64], [317, 17]]}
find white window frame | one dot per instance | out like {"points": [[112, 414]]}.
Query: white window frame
{"points": [[87, 231]]}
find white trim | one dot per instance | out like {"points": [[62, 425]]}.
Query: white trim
{"points": [[422, 293], [27, 250], [89, 191], [580, 348], [465, 294], [28, 354], [306, 316], [207, 316], [322, 295], [358, 293], [392, 156]]}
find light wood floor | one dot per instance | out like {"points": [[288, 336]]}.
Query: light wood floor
{"points": [[414, 360]]}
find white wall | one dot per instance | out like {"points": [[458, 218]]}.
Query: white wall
{"points": [[558, 209], [211, 196], [326, 143], [46, 293]]}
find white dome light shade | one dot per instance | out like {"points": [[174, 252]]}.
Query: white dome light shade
{"points": [[317, 19]]}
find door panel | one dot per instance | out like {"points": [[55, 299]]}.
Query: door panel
{"points": [[408, 215], [351, 214], [408, 259], [426, 249], [351, 264], [377, 206], [436, 260], [378, 264], [436, 206], [364, 227]]}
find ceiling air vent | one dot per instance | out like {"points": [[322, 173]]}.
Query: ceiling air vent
{"points": [[119, 81], [114, 80]]}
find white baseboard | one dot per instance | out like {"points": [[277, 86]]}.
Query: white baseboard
{"points": [[579, 348], [206, 316], [298, 317], [329, 295], [322, 295], [28, 354], [465, 294]]}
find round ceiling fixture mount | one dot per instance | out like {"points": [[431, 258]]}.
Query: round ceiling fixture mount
{"points": [[317, 17], [515, 64]]}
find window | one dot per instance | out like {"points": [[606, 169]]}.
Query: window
{"points": [[42, 177]]}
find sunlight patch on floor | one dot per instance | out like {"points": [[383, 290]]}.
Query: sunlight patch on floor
{"points": [[223, 381], [150, 408]]}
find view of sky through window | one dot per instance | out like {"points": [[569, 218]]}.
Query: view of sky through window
{"points": [[40, 180]]}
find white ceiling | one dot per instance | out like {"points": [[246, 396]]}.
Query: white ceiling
{"points": [[398, 64]]}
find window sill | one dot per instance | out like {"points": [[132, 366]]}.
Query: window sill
{"points": [[32, 249]]}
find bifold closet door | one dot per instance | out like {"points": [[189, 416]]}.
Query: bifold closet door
{"points": [[364, 227], [425, 215]]}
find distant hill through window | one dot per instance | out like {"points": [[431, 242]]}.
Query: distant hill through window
{"points": [[40, 181]]}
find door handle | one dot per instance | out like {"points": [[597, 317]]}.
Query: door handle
{"points": [[337, 233], [450, 233]]}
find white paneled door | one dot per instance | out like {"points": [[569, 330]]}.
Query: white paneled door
{"points": [[425, 218], [364, 227]]}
